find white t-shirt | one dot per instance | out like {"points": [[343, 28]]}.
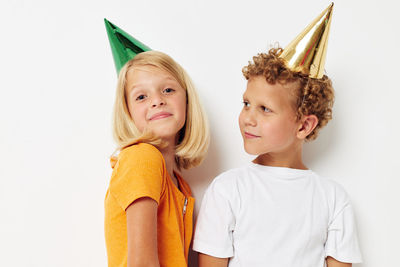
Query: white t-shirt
{"points": [[276, 217]]}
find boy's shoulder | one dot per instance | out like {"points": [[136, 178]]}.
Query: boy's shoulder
{"points": [[335, 194], [232, 174], [228, 179], [332, 186], [235, 177]]}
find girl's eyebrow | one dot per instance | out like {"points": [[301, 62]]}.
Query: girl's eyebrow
{"points": [[167, 81], [134, 88], [171, 79]]}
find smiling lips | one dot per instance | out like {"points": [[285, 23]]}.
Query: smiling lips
{"points": [[160, 115], [250, 136]]}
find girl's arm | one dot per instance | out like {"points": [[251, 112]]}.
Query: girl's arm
{"points": [[210, 261], [331, 262], [141, 218]]}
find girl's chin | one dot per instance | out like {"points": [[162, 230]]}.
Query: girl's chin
{"points": [[166, 132], [166, 137]]}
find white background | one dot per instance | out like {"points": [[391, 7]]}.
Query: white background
{"points": [[57, 82]]}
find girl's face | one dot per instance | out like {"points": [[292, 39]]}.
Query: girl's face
{"points": [[156, 101]]}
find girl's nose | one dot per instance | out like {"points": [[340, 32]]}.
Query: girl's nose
{"points": [[157, 100]]}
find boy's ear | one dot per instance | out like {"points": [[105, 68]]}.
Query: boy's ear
{"points": [[308, 124]]}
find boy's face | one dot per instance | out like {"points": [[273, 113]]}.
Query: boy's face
{"points": [[268, 121]]}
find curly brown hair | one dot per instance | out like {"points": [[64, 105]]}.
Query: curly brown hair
{"points": [[313, 96]]}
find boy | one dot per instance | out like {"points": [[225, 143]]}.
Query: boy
{"points": [[274, 212]]}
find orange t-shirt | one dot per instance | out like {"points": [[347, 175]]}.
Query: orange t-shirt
{"points": [[140, 172]]}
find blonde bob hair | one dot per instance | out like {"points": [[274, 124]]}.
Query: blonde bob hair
{"points": [[194, 137]]}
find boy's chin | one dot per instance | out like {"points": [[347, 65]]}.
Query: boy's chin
{"points": [[252, 150]]}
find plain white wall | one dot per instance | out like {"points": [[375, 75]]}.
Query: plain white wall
{"points": [[57, 82]]}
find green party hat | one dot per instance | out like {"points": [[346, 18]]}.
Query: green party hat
{"points": [[123, 46]]}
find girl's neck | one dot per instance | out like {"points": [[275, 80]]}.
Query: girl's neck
{"points": [[169, 158]]}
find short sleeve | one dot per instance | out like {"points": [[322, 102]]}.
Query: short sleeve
{"points": [[138, 173], [342, 241], [215, 223]]}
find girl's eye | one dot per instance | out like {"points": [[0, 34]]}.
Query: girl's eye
{"points": [[140, 97], [246, 104], [168, 90]]}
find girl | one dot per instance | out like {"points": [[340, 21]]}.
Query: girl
{"points": [[160, 128]]}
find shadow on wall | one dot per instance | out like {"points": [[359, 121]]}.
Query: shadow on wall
{"points": [[316, 150], [199, 178]]}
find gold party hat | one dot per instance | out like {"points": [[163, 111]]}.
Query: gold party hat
{"points": [[307, 52]]}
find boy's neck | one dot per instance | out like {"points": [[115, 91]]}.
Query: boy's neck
{"points": [[289, 159]]}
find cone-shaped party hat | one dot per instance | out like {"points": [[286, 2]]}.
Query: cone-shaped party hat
{"points": [[307, 52], [123, 46]]}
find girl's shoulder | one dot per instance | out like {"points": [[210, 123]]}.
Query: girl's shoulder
{"points": [[140, 148], [139, 172], [138, 156], [141, 152]]}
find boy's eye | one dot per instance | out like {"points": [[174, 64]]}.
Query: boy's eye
{"points": [[246, 104], [140, 97], [265, 109], [168, 90]]}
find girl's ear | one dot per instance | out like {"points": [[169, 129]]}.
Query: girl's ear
{"points": [[308, 124]]}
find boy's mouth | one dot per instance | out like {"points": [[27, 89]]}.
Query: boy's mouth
{"points": [[250, 135]]}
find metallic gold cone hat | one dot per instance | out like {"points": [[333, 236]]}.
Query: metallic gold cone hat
{"points": [[307, 52], [123, 46]]}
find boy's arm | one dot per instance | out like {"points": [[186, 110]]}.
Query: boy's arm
{"points": [[331, 262], [210, 261]]}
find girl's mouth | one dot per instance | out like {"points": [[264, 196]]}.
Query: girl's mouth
{"points": [[160, 115]]}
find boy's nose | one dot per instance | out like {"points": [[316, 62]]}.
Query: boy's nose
{"points": [[249, 119]]}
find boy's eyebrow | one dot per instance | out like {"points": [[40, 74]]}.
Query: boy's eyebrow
{"points": [[263, 102]]}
